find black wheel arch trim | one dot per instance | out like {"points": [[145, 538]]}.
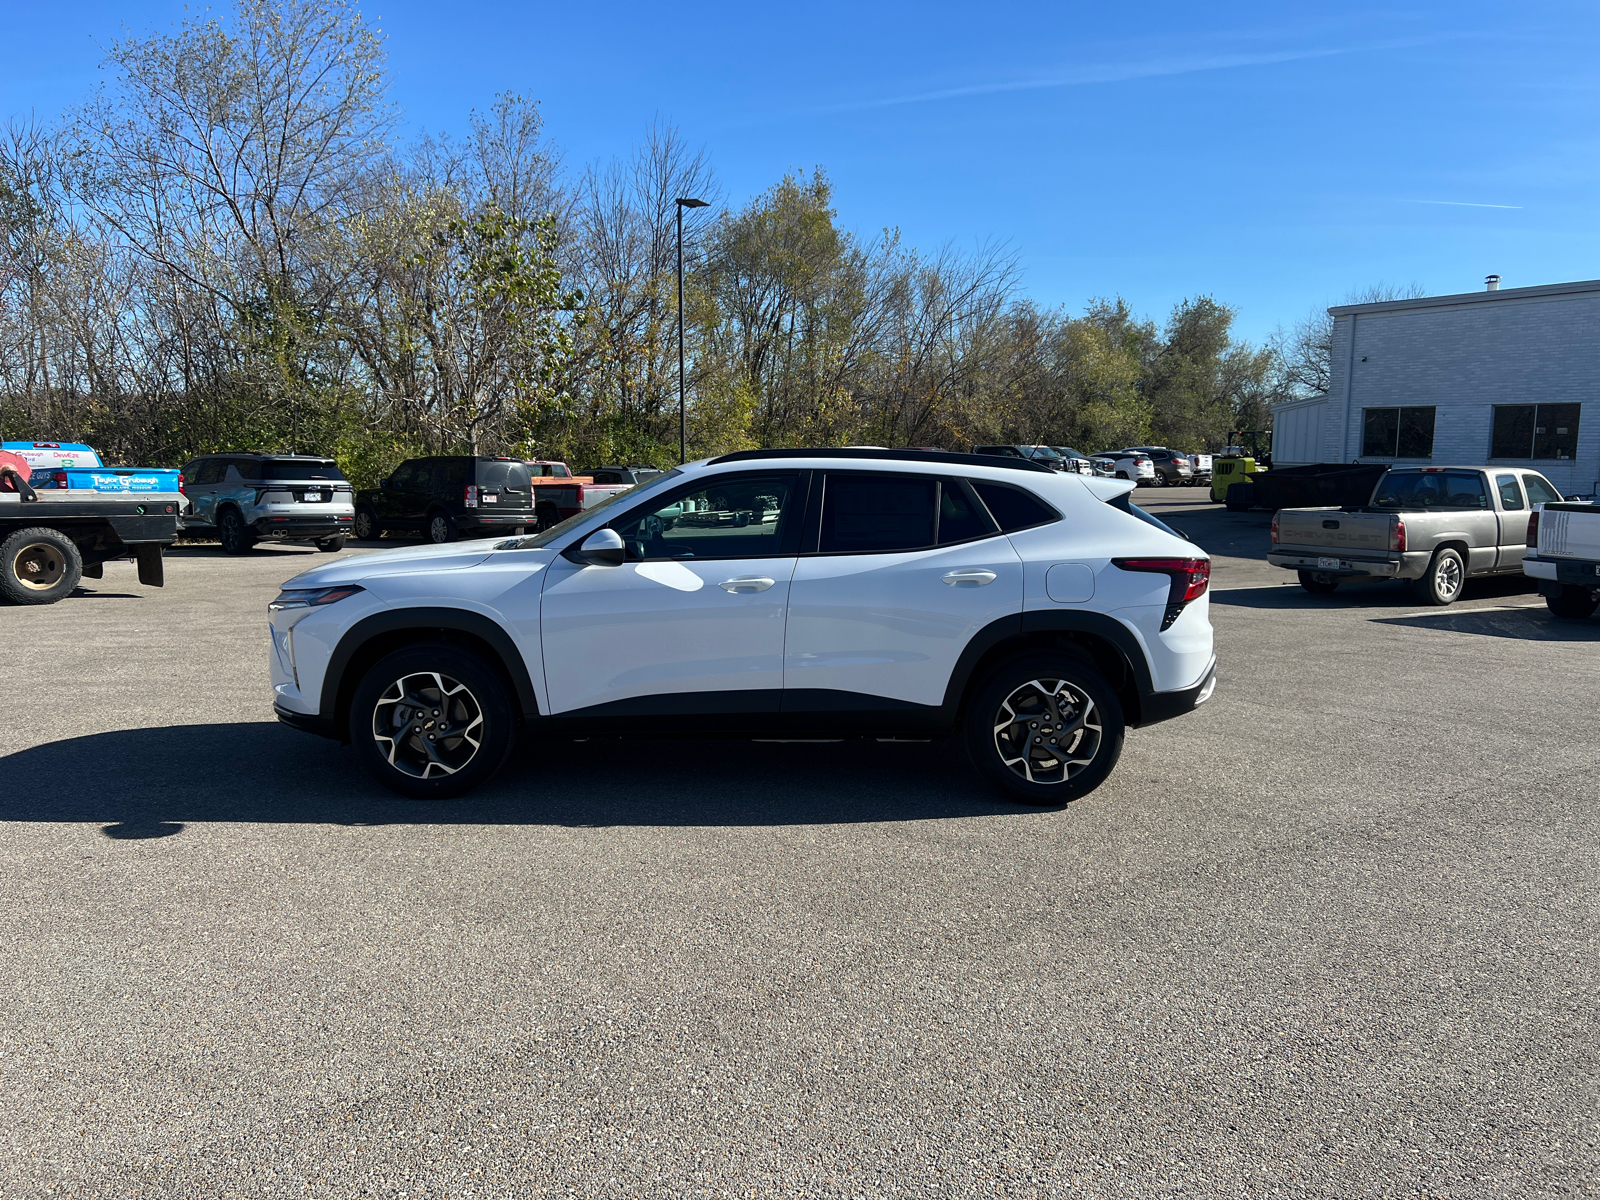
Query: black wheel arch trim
{"points": [[425, 620]]}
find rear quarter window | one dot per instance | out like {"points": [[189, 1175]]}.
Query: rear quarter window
{"points": [[1013, 508]]}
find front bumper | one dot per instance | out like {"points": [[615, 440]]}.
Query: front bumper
{"points": [[1163, 706], [1371, 566], [306, 722]]}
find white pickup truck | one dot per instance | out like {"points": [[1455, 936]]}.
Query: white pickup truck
{"points": [[1564, 556]]}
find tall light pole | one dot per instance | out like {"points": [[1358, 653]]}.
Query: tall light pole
{"points": [[683, 428]]}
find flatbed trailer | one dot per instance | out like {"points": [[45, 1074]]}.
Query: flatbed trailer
{"points": [[51, 539]]}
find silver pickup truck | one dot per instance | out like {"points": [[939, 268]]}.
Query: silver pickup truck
{"points": [[1433, 526]]}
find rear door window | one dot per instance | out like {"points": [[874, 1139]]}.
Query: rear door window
{"points": [[878, 514], [1013, 508], [1510, 492]]}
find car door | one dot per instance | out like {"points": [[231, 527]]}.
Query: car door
{"points": [[1475, 516], [904, 570], [202, 489], [1513, 521], [692, 621]]}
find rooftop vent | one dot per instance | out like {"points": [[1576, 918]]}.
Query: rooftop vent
{"points": [[1492, 283]]}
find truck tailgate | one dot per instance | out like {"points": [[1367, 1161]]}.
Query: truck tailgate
{"points": [[1570, 531], [1333, 529]]}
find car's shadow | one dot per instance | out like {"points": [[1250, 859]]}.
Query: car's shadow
{"points": [[1386, 594], [141, 783], [1519, 624]]}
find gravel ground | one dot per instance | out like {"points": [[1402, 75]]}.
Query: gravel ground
{"points": [[1333, 935]]}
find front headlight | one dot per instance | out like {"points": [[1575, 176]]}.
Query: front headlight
{"points": [[312, 597]]}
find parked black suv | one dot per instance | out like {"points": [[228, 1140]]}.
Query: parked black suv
{"points": [[447, 497]]}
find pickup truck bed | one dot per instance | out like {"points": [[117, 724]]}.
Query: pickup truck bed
{"points": [[1564, 556], [92, 529]]}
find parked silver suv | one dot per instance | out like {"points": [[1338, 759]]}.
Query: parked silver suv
{"points": [[244, 498]]}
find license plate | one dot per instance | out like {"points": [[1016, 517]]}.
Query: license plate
{"points": [[311, 497], [491, 499], [1328, 564]]}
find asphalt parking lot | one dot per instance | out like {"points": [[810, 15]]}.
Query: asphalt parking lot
{"points": [[1332, 935]]}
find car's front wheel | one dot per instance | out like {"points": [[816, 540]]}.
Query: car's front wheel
{"points": [[431, 721], [1572, 603], [1044, 729]]}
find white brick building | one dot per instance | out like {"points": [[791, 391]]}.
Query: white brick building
{"points": [[1500, 376]]}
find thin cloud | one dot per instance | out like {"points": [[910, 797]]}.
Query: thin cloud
{"points": [[1463, 204], [1118, 73]]}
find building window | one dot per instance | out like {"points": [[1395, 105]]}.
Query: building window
{"points": [[1397, 432], [1535, 431]]}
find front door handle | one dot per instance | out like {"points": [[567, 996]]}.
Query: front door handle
{"points": [[746, 583], [975, 578]]}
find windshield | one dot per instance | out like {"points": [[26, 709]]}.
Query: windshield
{"points": [[557, 531]]}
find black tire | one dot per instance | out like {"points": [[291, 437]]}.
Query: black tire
{"points": [[366, 524], [1122, 474], [1319, 583], [1038, 682], [1160, 480], [441, 528], [419, 764], [330, 545], [1442, 583], [39, 566], [1241, 497], [236, 537], [546, 515], [1573, 603]]}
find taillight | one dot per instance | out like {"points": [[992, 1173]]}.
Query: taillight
{"points": [[1397, 534], [58, 479], [579, 488], [471, 497], [181, 490], [1190, 577], [1274, 529], [1533, 530]]}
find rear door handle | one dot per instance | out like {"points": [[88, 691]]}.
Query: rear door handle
{"points": [[971, 578], [746, 583]]}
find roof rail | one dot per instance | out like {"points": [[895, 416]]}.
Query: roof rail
{"points": [[853, 454]]}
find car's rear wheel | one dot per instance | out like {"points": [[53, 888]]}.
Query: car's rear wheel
{"points": [[1044, 729], [236, 537], [39, 566], [441, 528], [366, 525], [431, 721], [1442, 582], [1573, 603], [330, 545], [1319, 583]]}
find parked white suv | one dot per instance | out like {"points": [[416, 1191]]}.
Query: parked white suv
{"points": [[792, 593]]}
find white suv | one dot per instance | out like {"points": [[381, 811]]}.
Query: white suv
{"points": [[787, 593]]}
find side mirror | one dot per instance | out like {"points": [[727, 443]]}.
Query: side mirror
{"points": [[602, 548]]}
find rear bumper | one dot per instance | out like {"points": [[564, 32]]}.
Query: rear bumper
{"points": [[1381, 566], [493, 522], [1577, 572], [319, 526], [1163, 706]]}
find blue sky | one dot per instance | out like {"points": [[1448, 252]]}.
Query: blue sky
{"points": [[1275, 156]]}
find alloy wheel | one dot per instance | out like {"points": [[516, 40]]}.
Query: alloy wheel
{"points": [[439, 529], [1447, 577], [427, 725], [1047, 731]]}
